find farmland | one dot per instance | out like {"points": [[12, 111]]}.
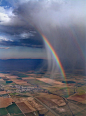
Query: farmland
{"points": [[3, 111], [24, 108], [19, 115], [19, 97], [4, 102], [78, 98], [50, 81], [36, 82], [19, 81], [13, 109]]}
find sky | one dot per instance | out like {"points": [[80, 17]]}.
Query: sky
{"points": [[63, 22]]}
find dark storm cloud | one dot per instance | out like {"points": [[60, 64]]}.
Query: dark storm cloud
{"points": [[14, 31], [18, 39], [23, 42], [15, 34]]}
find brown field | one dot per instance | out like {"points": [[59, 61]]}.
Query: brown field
{"points": [[1, 80], [25, 100], [2, 75], [35, 104], [4, 102], [28, 78], [19, 81], [3, 92], [59, 102], [49, 96], [23, 107], [50, 81], [30, 106], [46, 101], [78, 98], [11, 77], [56, 99], [52, 89], [19, 99], [50, 114]]}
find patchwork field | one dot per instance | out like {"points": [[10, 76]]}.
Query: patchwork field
{"points": [[42, 89], [19, 82], [59, 102], [49, 96], [25, 101], [46, 101], [17, 99], [50, 81], [35, 104]]}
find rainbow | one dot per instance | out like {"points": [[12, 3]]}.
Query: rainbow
{"points": [[57, 59]]}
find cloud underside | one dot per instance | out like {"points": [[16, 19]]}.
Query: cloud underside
{"points": [[23, 42], [20, 36]]}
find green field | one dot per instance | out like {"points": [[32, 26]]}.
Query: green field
{"points": [[21, 75], [13, 94], [36, 82], [3, 111], [13, 109]]}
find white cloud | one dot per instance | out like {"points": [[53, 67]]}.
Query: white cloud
{"points": [[53, 13], [4, 18], [26, 35], [5, 15], [45, 12], [2, 9], [3, 38]]}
